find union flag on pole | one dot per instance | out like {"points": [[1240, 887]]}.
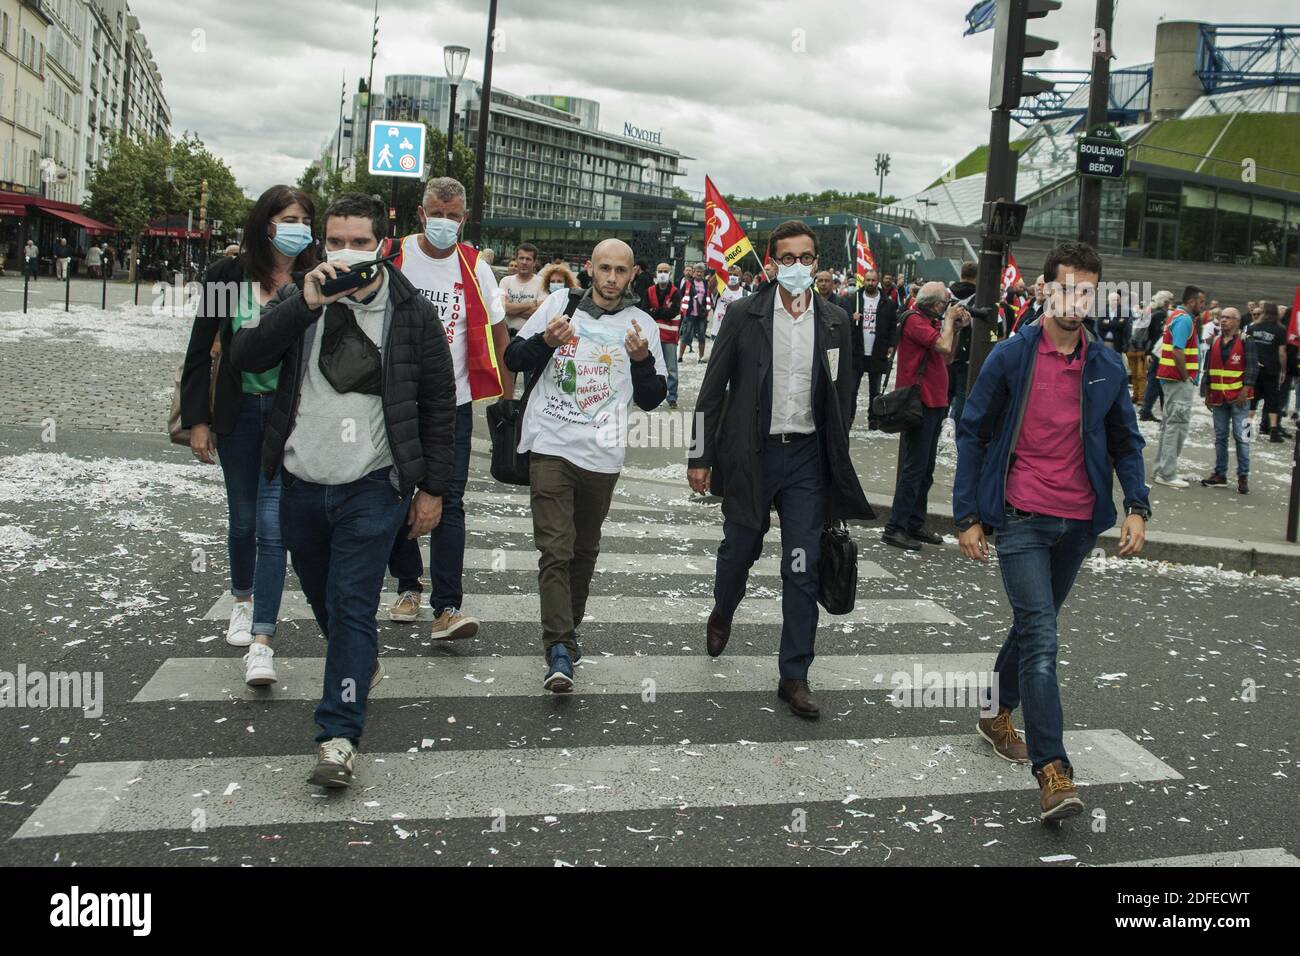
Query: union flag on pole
{"points": [[1293, 327], [725, 243], [1010, 275], [865, 261]]}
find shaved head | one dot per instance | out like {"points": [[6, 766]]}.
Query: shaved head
{"points": [[614, 248], [611, 269]]}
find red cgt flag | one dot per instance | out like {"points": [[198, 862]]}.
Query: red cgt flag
{"points": [[1293, 328], [866, 262], [1010, 275], [725, 243]]}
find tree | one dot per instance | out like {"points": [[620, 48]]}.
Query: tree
{"points": [[132, 190]]}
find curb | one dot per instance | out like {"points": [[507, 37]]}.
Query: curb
{"points": [[1257, 557]]}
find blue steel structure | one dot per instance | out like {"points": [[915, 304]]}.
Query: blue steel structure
{"points": [[1269, 56]]}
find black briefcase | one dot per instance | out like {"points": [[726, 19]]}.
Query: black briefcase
{"points": [[837, 570]]}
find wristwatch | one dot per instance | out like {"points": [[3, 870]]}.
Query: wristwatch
{"points": [[966, 523], [1142, 510]]}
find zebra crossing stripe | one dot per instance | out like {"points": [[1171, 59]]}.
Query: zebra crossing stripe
{"points": [[478, 502], [1272, 856], [477, 523], [195, 679], [636, 609], [504, 559], [133, 796]]}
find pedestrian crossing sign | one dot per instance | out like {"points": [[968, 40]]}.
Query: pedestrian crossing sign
{"points": [[396, 148]]}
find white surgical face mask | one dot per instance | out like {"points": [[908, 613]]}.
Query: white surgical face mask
{"points": [[556, 286], [733, 281], [796, 278], [663, 277], [441, 233], [351, 257]]}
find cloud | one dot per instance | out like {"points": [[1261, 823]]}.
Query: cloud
{"points": [[768, 96]]}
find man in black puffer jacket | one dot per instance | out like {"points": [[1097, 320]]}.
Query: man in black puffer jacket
{"points": [[363, 416]]}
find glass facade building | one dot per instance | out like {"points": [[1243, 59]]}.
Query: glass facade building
{"points": [[1198, 219]]}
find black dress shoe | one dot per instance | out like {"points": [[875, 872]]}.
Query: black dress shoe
{"points": [[717, 634], [900, 539], [926, 536], [796, 694]]}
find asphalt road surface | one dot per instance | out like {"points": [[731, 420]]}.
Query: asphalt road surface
{"points": [[1179, 684]]}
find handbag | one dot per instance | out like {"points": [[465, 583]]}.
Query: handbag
{"points": [[901, 409], [837, 569], [505, 420], [349, 360], [179, 435]]}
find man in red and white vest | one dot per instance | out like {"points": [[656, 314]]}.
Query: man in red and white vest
{"points": [[664, 303], [463, 290], [1227, 390]]}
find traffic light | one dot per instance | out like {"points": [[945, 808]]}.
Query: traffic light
{"points": [[374, 40], [1011, 45]]}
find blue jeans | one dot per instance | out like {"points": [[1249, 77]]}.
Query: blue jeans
{"points": [[338, 537], [917, 449], [447, 540], [253, 536], [1039, 558], [1226, 415], [670, 363], [792, 477]]}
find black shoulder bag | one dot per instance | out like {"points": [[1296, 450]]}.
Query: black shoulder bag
{"points": [[901, 409], [837, 569], [505, 420]]}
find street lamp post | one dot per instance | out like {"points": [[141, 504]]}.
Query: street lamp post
{"points": [[474, 232], [455, 59]]}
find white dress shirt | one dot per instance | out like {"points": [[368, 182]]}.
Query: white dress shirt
{"points": [[792, 369]]}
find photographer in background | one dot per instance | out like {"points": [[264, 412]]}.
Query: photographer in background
{"points": [[927, 341]]}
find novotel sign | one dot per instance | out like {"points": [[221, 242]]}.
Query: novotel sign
{"points": [[645, 135]]}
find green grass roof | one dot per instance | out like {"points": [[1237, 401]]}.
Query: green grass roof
{"points": [[1272, 140], [976, 161]]}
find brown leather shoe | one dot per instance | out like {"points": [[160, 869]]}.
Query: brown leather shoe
{"points": [[1000, 732], [1056, 792], [719, 632], [796, 694]]}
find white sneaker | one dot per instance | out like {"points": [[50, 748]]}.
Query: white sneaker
{"points": [[261, 668], [334, 760], [240, 631], [1170, 482]]}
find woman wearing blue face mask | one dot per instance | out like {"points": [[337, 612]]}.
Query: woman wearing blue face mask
{"points": [[277, 242], [558, 276]]}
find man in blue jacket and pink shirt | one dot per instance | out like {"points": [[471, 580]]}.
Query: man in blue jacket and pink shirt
{"points": [[1047, 425]]}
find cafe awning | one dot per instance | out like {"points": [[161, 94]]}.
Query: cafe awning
{"points": [[92, 226]]}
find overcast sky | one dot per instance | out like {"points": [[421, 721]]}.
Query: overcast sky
{"points": [[769, 96]]}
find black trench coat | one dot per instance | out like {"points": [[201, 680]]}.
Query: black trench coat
{"points": [[734, 412]]}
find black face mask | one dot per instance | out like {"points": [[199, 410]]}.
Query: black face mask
{"points": [[349, 361]]}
